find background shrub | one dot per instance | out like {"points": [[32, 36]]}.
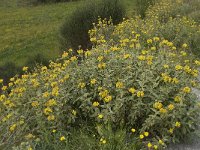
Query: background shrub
{"points": [[74, 31], [142, 6], [37, 59], [9, 70], [37, 2]]}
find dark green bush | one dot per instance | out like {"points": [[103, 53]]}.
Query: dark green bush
{"points": [[37, 59], [74, 31], [37, 2], [9, 70], [142, 6], [52, 1]]}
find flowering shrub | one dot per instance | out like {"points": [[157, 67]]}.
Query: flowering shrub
{"points": [[159, 22], [131, 91]]}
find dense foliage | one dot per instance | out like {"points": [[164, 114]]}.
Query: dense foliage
{"points": [[133, 90], [143, 5], [38, 2]]}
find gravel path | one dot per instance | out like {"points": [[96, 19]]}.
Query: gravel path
{"points": [[190, 145]]}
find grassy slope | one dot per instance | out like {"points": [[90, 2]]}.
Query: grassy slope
{"points": [[28, 31], [25, 32]]}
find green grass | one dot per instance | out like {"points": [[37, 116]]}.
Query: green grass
{"points": [[28, 31]]}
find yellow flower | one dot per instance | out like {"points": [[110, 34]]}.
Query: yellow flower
{"points": [[44, 68], [144, 52], [74, 58], [30, 148], [127, 56], [149, 145], [119, 85], [101, 65], [149, 62], [140, 94], [163, 110], [4, 88], [108, 98], [93, 81], [141, 136], [177, 99], [158, 105], [170, 44], [133, 130], [197, 62], [21, 122], [178, 67], [12, 128], [161, 142], [45, 95], [35, 104], [175, 80], [141, 57], [25, 68], [47, 110], [166, 66], [74, 112], [100, 58], [149, 41], [104, 141], [193, 83], [177, 124], [137, 45], [195, 73], [184, 45], [186, 61], [54, 130], [51, 118], [66, 77], [146, 134], [170, 106], [81, 85], [10, 84], [186, 90], [1, 81], [171, 130], [153, 48], [55, 91], [93, 39], [62, 138], [183, 53], [155, 147], [29, 136], [100, 116], [95, 104], [132, 90], [51, 102], [64, 55], [88, 53], [80, 51], [156, 39], [12, 79], [53, 84], [173, 48], [103, 93]]}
